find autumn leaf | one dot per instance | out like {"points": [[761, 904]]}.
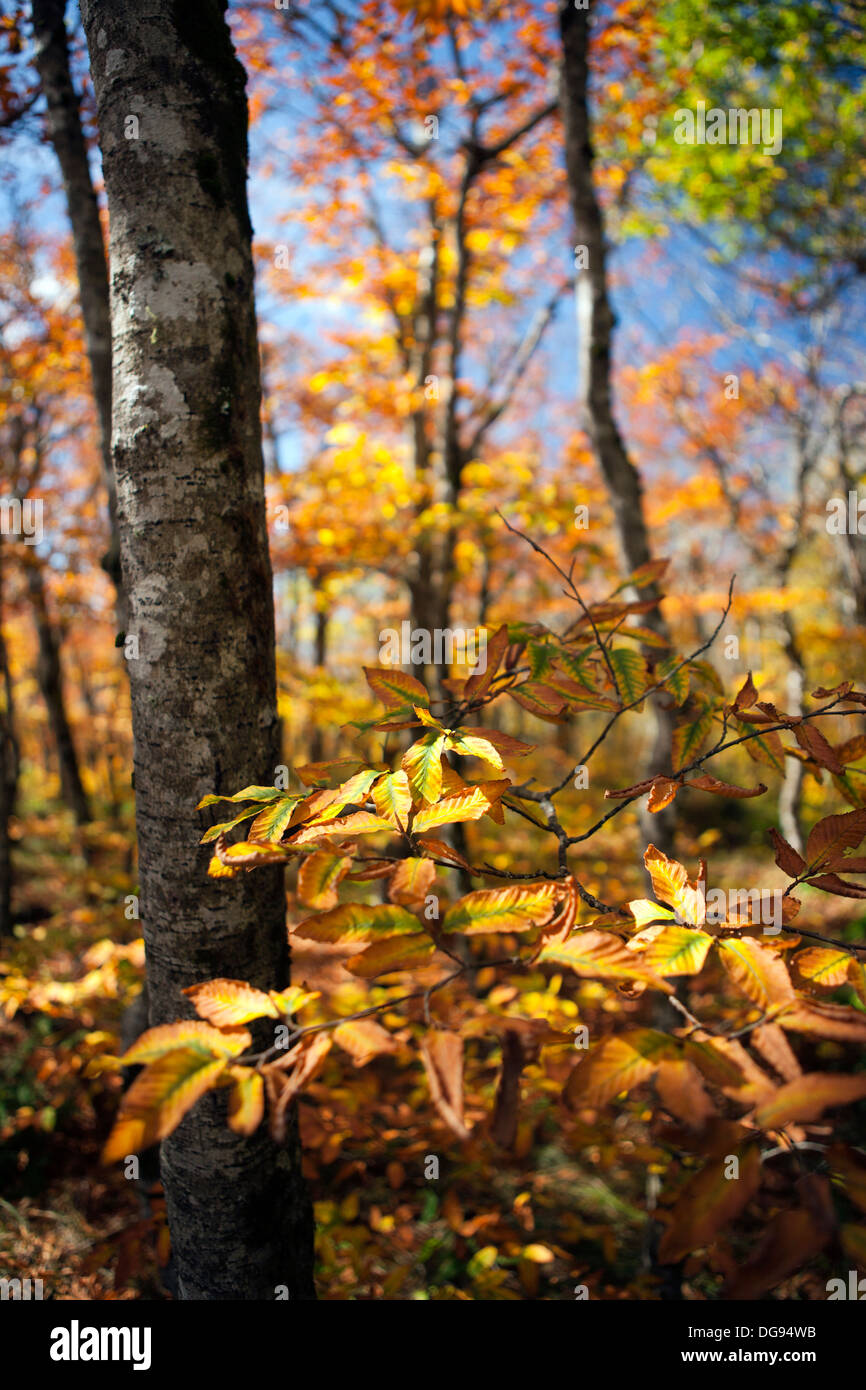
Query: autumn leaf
{"points": [[438, 849], [600, 955], [271, 823], [834, 834], [690, 736], [464, 806], [318, 877], [789, 860], [363, 1039], [305, 1059], [246, 1100], [502, 910], [807, 1097], [706, 783], [826, 966], [677, 951], [248, 794], [228, 1002], [746, 696], [709, 1201], [662, 793], [159, 1097], [671, 885], [442, 1055], [193, 1035], [479, 684], [394, 688], [617, 1064], [393, 799], [358, 922], [632, 676], [393, 954], [757, 971], [422, 764], [411, 882]]}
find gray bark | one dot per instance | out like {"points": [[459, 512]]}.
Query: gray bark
{"points": [[595, 327], [187, 452], [67, 138]]}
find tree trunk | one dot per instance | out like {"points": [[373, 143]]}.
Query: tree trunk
{"points": [[595, 328], [49, 676], [187, 452], [67, 138], [9, 765]]}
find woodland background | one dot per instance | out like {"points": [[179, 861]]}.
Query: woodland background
{"points": [[421, 366]]}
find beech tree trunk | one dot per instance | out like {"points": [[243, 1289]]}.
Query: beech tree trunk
{"points": [[67, 138], [595, 321], [49, 675], [187, 453], [9, 768]]}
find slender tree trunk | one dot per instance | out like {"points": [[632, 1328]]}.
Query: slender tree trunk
{"points": [[188, 459], [317, 747], [67, 138], [595, 329], [9, 765], [49, 675]]}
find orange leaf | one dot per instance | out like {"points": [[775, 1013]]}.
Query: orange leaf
{"points": [[227, 1002], [158, 1099], [442, 1054]]}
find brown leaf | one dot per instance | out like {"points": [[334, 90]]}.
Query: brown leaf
{"points": [[834, 834], [746, 695], [442, 1054], [788, 859], [306, 1059], [790, 1241], [769, 1040], [817, 747], [707, 783], [709, 1202]]}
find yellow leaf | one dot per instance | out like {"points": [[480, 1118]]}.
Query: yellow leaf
{"points": [[502, 909], [824, 966], [411, 882], [393, 799], [422, 764], [358, 922], [246, 1100], [671, 885], [193, 1035], [396, 953], [227, 1002], [758, 972], [617, 1064], [602, 956], [677, 951], [318, 877], [159, 1098]]}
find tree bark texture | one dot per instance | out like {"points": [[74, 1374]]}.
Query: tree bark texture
{"points": [[187, 453]]}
